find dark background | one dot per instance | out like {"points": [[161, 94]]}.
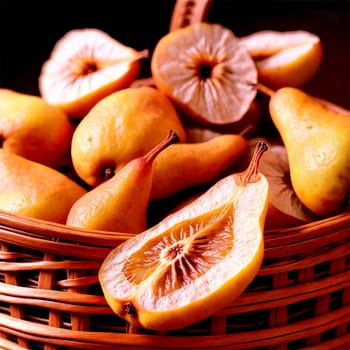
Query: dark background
{"points": [[29, 30]]}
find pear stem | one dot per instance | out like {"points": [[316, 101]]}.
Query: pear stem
{"points": [[171, 138], [265, 90], [251, 174]]}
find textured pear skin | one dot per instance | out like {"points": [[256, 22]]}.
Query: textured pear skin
{"points": [[120, 203], [35, 190], [317, 141], [183, 165]]}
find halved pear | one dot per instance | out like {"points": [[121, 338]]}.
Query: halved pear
{"points": [[285, 208], [289, 58], [195, 261], [86, 65], [207, 72]]}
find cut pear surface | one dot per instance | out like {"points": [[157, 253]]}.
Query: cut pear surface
{"points": [[195, 261], [288, 58], [206, 70], [86, 65]]}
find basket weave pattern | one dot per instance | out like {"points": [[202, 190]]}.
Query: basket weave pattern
{"points": [[50, 293], [50, 297]]}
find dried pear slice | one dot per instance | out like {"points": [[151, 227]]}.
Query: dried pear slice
{"points": [[194, 262], [206, 70]]}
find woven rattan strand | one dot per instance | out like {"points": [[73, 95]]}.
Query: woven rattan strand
{"points": [[50, 298]]}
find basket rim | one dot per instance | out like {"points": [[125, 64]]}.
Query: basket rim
{"points": [[273, 238]]}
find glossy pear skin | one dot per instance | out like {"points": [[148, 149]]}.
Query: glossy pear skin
{"points": [[120, 203], [183, 165], [34, 129], [35, 190], [317, 141], [123, 126]]}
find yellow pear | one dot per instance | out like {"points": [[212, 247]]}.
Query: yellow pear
{"points": [[122, 126], [193, 164], [317, 140], [35, 190], [33, 128], [120, 203]]}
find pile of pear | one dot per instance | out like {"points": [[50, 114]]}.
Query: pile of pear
{"points": [[132, 157], [107, 179], [314, 135]]}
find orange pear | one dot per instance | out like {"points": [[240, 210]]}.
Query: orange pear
{"points": [[123, 126], [120, 203], [186, 165], [35, 190], [34, 129]]}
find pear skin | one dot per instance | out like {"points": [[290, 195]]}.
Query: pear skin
{"points": [[122, 126], [183, 165], [120, 203], [35, 190], [34, 129], [318, 146]]}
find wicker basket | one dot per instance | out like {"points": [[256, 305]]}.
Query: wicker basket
{"points": [[50, 297]]}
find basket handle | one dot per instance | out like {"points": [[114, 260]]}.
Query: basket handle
{"points": [[189, 11]]}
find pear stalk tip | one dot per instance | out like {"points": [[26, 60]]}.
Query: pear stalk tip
{"points": [[265, 90], [172, 137], [251, 174]]}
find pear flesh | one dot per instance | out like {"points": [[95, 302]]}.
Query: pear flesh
{"points": [[195, 261]]}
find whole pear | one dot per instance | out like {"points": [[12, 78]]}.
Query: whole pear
{"points": [[184, 165], [121, 202], [317, 141], [34, 129], [35, 190], [122, 126]]}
